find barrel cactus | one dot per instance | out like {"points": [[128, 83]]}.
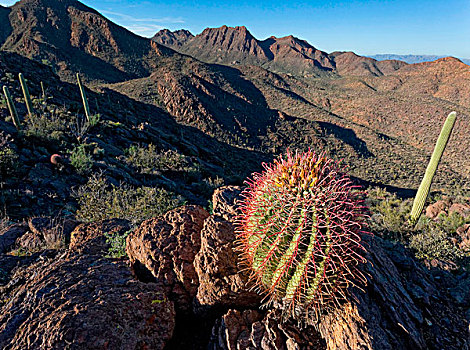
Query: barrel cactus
{"points": [[299, 233]]}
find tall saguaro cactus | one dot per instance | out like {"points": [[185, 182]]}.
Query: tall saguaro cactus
{"points": [[27, 97], [84, 99], [12, 108], [423, 190]]}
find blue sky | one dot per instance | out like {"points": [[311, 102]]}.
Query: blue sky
{"points": [[365, 27]]}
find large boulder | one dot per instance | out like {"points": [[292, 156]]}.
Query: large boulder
{"points": [[165, 247], [9, 235], [83, 302]]}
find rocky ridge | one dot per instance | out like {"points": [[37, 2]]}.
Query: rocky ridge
{"points": [[182, 266]]}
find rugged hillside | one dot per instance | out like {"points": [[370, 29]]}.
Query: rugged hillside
{"points": [[382, 118], [348, 63], [76, 38]]}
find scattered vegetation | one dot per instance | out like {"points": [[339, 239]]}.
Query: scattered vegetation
{"points": [[8, 156], [99, 200], [148, 160], [429, 239]]}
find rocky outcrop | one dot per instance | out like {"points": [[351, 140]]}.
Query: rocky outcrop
{"points": [[82, 301], [165, 248], [221, 282]]}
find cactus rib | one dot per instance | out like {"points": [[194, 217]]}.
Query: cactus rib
{"points": [[424, 187]]}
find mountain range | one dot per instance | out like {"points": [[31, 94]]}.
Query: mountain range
{"points": [[254, 97]]}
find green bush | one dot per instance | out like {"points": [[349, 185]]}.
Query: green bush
{"points": [[389, 214], [434, 243], [98, 200], [428, 238], [8, 157], [150, 161], [81, 160], [46, 125], [117, 244]]}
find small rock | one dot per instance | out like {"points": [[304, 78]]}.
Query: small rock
{"points": [[9, 235], [433, 210], [225, 201]]}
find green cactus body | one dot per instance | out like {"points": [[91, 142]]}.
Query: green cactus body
{"points": [[27, 97], [12, 108], [299, 231], [424, 187], [84, 99]]}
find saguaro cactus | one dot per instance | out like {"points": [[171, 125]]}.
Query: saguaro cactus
{"points": [[299, 232], [12, 108], [84, 99], [423, 190], [27, 97]]}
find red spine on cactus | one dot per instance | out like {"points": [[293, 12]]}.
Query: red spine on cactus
{"points": [[299, 232]]}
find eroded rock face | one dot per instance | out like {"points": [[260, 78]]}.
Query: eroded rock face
{"points": [[221, 281], [166, 246], [251, 329], [83, 301], [402, 307]]}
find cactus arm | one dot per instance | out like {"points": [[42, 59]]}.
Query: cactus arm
{"points": [[12, 108], [423, 190], [84, 99], [27, 97]]}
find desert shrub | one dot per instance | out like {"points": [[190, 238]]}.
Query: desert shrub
{"points": [[117, 244], [429, 239], [150, 161], [99, 200], [81, 160], [46, 126], [389, 214], [435, 243]]}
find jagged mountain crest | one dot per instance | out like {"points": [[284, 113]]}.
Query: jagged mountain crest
{"points": [[236, 45]]}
